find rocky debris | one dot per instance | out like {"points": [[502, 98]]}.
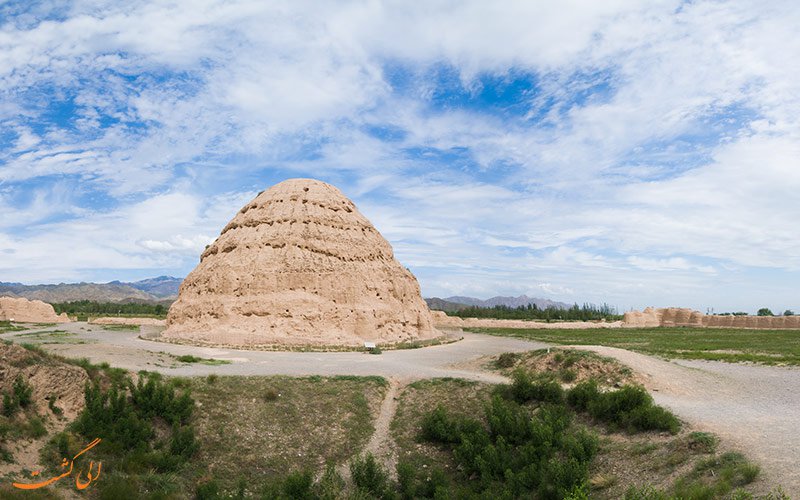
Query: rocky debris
{"points": [[299, 265], [22, 310], [108, 320]]}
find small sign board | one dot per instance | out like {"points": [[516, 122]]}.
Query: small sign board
{"points": [[369, 345]]}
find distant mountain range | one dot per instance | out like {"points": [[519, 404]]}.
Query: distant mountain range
{"points": [[458, 302], [163, 289]]}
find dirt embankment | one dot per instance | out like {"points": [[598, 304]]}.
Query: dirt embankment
{"points": [[442, 320], [127, 321], [57, 399]]}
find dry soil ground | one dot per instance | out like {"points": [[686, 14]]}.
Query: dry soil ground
{"points": [[756, 409]]}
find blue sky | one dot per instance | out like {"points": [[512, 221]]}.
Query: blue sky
{"points": [[635, 153]]}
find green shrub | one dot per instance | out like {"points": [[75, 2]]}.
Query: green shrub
{"points": [[645, 492], [567, 375], [35, 428], [211, 379], [21, 396], [10, 405], [188, 358], [124, 415], [270, 395], [506, 360], [439, 427], [22, 392], [582, 394], [298, 485], [51, 403], [703, 442], [208, 490], [183, 443], [368, 475], [109, 414], [520, 454], [330, 485], [630, 407], [526, 388], [116, 486], [156, 398], [406, 478]]}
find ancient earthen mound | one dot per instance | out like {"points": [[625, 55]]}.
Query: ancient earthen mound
{"points": [[29, 311], [299, 265], [674, 316]]}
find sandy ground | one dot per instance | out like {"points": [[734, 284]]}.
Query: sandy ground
{"points": [[756, 409]]}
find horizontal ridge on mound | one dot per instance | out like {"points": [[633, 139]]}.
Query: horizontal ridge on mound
{"points": [[299, 265]]}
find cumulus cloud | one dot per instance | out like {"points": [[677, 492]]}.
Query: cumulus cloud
{"points": [[612, 151]]}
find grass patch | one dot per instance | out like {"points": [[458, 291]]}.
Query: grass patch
{"points": [[120, 328], [282, 425], [7, 326], [188, 358], [52, 337], [769, 347], [566, 365]]}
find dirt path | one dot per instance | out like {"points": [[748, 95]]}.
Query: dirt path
{"points": [[756, 409], [381, 444]]}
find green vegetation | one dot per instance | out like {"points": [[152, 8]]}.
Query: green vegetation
{"points": [[19, 397], [52, 337], [282, 425], [587, 312], [121, 328], [91, 308], [188, 358], [721, 344], [764, 311], [146, 431], [566, 365], [455, 439], [455, 454], [630, 408], [6, 326]]}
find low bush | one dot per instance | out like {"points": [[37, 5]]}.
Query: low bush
{"points": [[21, 396], [125, 418], [526, 388], [369, 476], [506, 360], [630, 407], [520, 453], [703, 442], [51, 403]]}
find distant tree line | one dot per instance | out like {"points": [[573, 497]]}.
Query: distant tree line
{"points": [[586, 312], [82, 307], [764, 311]]}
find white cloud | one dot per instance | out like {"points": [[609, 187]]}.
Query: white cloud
{"points": [[679, 173]]}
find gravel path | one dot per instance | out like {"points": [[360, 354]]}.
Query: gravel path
{"points": [[755, 409]]}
